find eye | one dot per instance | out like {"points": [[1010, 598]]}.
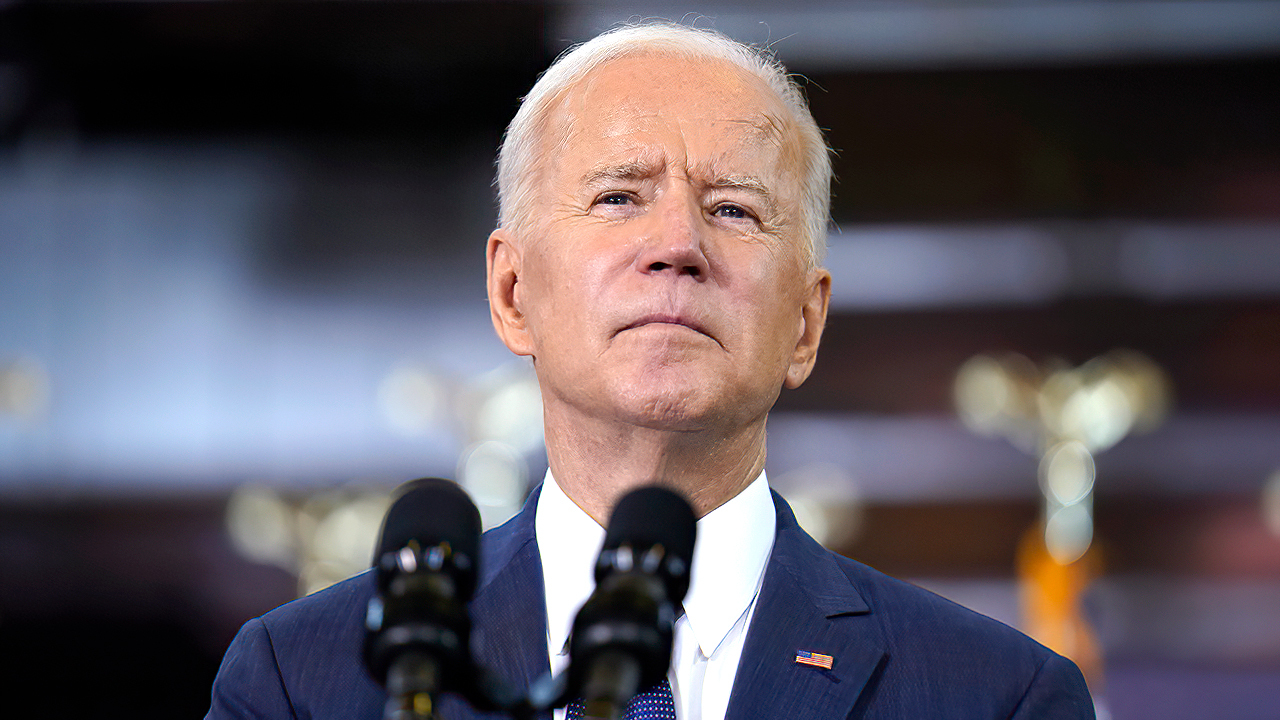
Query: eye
{"points": [[615, 198], [731, 211]]}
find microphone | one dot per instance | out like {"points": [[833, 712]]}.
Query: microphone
{"points": [[621, 639], [417, 630]]}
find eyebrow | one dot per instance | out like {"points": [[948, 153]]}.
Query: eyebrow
{"points": [[643, 170], [748, 183], [635, 170], [640, 170]]}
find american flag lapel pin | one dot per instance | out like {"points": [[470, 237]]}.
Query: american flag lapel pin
{"points": [[804, 657]]}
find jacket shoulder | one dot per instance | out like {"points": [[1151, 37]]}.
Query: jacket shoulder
{"points": [[302, 659], [911, 614], [340, 606], [940, 649]]}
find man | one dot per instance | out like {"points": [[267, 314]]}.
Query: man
{"points": [[663, 208]]}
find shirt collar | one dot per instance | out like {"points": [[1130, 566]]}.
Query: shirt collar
{"points": [[568, 542], [733, 546], [732, 549]]}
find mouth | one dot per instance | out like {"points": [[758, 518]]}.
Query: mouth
{"points": [[669, 319]]}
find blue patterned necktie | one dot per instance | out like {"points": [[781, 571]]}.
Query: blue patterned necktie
{"points": [[656, 703]]}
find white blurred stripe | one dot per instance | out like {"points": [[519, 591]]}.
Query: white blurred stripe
{"points": [[1184, 261], [919, 266], [893, 266], [906, 458]]}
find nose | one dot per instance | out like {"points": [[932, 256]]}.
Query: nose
{"points": [[675, 240]]}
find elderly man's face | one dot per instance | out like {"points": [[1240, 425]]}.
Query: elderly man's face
{"points": [[664, 282]]}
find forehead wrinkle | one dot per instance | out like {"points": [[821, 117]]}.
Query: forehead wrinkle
{"points": [[760, 128], [626, 170], [739, 181]]}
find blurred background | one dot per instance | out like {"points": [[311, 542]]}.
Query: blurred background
{"points": [[241, 299]]}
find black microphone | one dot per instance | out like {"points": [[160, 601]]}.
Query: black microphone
{"points": [[621, 639], [417, 630]]}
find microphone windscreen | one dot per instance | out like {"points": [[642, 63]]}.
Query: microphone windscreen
{"points": [[651, 516], [431, 511]]}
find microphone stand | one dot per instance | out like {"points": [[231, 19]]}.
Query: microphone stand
{"points": [[412, 681]]}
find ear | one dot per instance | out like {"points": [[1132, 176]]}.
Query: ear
{"points": [[813, 318], [503, 267]]}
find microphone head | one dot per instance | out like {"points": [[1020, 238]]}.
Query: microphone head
{"points": [[426, 571], [621, 638], [429, 512], [655, 516]]}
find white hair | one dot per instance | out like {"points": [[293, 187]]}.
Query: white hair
{"points": [[523, 149]]}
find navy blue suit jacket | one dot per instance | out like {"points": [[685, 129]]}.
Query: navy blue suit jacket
{"points": [[899, 651]]}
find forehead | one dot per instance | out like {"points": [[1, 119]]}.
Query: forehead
{"points": [[714, 109]]}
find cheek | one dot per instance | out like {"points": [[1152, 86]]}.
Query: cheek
{"points": [[537, 297], [769, 308], [559, 294], [765, 279]]}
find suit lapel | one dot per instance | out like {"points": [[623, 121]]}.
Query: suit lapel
{"points": [[805, 603], [509, 608]]}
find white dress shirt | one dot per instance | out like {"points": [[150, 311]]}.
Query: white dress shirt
{"points": [[733, 546]]}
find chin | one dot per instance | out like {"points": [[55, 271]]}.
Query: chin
{"points": [[685, 399], [670, 416], [677, 408]]}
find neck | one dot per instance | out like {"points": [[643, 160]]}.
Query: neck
{"points": [[597, 462]]}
